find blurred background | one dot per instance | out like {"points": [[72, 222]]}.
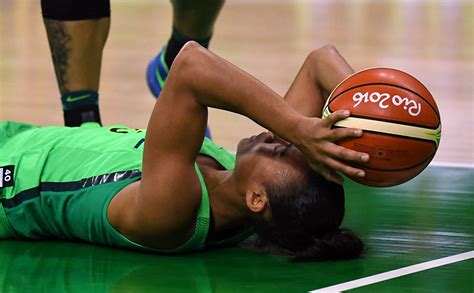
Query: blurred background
{"points": [[432, 40]]}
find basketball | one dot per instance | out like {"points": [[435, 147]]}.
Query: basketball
{"points": [[400, 120]]}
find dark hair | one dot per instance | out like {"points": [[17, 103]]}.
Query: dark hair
{"points": [[306, 215]]}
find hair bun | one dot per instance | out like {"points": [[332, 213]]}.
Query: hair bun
{"points": [[338, 244]]}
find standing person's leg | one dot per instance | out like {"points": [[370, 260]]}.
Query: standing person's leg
{"points": [[77, 32], [192, 20]]}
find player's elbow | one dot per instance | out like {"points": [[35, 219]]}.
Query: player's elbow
{"points": [[189, 63], [188, 57], [329, 49], [190, 48], [324, 53]]}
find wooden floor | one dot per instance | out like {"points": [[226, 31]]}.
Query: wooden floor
{"points": [[423, 220], [432, 40], [427, 218]]}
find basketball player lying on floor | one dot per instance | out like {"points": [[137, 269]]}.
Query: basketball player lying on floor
{"points": [[168, 191]]}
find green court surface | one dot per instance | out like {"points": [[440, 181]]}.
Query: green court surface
{"points": [[428, 218]]}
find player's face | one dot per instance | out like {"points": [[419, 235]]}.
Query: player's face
{"points": [[266, 157]]}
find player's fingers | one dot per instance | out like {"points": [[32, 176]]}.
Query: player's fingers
{"points": [[328, 173], [344, 154], [336, 116], [344, 168], [336, 178], [341, 133]]}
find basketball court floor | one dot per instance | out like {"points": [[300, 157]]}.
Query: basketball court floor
{"points": [[419, 235]]}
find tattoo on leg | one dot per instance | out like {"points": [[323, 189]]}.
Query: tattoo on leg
{"points": [[59, 42]]}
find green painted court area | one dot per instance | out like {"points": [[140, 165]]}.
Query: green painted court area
{"points": [[429, 218]]}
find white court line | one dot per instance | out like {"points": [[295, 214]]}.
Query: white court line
{"points": [[449, 164], [396, 273]]}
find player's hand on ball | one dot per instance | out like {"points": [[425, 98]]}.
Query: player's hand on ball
{"points": [[317, 142]]}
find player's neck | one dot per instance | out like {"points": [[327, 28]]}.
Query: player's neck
{"points": [[227, 204]]}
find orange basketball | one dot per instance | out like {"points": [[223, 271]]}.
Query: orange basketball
{"points": [[400, 119]]}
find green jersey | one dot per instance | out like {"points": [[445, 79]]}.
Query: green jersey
{"points": [[57, 182]]}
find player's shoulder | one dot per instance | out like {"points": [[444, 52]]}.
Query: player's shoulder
{"points": [[160, 215]]}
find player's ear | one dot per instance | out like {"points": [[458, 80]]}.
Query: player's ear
{"points": [[256, 198]]}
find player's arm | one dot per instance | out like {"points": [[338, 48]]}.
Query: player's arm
{"points": [[169, 188], [219, 84], [320, 73], [160, 212]]}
